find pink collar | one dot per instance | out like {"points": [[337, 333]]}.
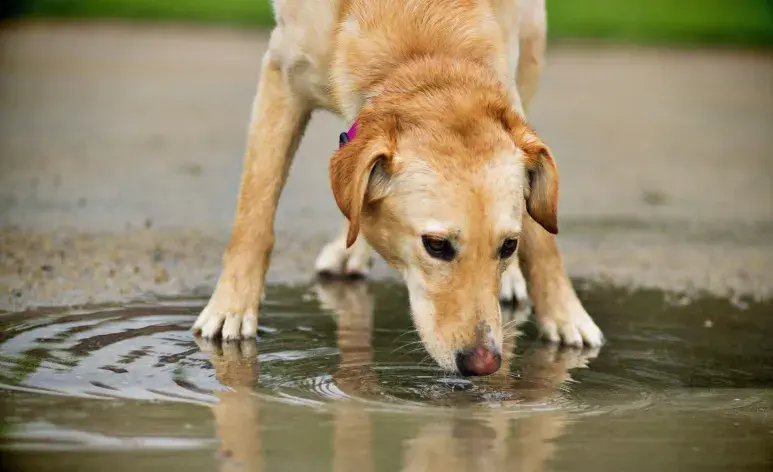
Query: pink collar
{"points": [[344, 138]]}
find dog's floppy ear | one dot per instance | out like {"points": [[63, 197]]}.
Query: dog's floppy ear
{"points": [[542, 175], [542, 197], [351, 168]]}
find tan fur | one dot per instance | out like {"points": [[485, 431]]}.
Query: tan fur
{"points": [[442, 149]]}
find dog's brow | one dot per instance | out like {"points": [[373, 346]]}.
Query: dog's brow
{"points": [[511, 230], [440, 228]]}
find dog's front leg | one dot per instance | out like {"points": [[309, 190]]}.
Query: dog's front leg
{"points": [[556, 306], [279, 118]]}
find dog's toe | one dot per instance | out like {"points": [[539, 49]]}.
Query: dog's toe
{"points": [[575, 329], [357, 265], [214, 324], [590, 333], [331, 259], [232, 328], [249, 326], [211, 328], [209, 323], [571, 326], [570, 335], [550, 331], [513, 288]]}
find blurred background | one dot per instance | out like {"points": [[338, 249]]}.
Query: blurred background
{"points": [[123, 123], [662, 21]]}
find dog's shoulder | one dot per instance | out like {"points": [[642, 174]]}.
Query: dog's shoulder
{"points": [[301, 45]]}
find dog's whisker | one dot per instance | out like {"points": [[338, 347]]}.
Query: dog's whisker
{"points": [[512, 323], [405, 334], [510, 330], [412, 351], [418, 349], [513, 335], [425, 359], [408, 344], [509, 323], [405, 346]]}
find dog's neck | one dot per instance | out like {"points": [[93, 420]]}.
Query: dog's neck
{"points": [[438, 76]]}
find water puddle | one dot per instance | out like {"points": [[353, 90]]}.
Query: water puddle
{"points": [[338, 381]]}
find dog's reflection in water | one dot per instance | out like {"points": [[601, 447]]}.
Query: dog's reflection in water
{"points": [[452, 442], [492, 440], [237, 414]]}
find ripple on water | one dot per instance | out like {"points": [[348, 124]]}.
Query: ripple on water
{"points": [[138, 353], [148, 353]]}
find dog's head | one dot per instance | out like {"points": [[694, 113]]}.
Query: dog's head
{"points": [[439, 187]]}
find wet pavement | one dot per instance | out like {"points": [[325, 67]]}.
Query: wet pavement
{"points": [[120, 152], [339, 382]]}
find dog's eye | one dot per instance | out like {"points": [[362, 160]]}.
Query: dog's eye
{"points": [[508, 248], [438, 248]]}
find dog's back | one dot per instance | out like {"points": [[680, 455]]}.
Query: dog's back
{"points": [[376, 35], [317, 41]]}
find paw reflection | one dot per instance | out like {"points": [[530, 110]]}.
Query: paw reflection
{"points": [[235, 362]]}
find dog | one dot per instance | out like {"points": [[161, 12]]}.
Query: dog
{"points": [[440, 173]]}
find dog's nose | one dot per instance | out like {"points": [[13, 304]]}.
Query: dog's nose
{"points": [[478, 361]]}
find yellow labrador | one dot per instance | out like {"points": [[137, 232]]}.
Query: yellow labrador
{"points": [[440, 173]]}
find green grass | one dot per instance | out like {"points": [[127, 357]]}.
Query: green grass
{"points": [[230, 12], [664, 21], [735, 22]]}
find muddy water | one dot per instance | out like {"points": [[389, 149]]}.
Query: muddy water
{"points": [[339, 382]]}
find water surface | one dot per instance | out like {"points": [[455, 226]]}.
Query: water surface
{"points": [[339, 382]]}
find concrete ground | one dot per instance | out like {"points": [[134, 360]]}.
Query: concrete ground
{"points": [[120, 153]]}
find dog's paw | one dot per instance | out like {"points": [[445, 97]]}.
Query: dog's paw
{"points": [[574, 328], [336, 260], [228, 325], [513, 287]]}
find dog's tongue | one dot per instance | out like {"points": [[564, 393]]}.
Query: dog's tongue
{"points": [[344, 138]]}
